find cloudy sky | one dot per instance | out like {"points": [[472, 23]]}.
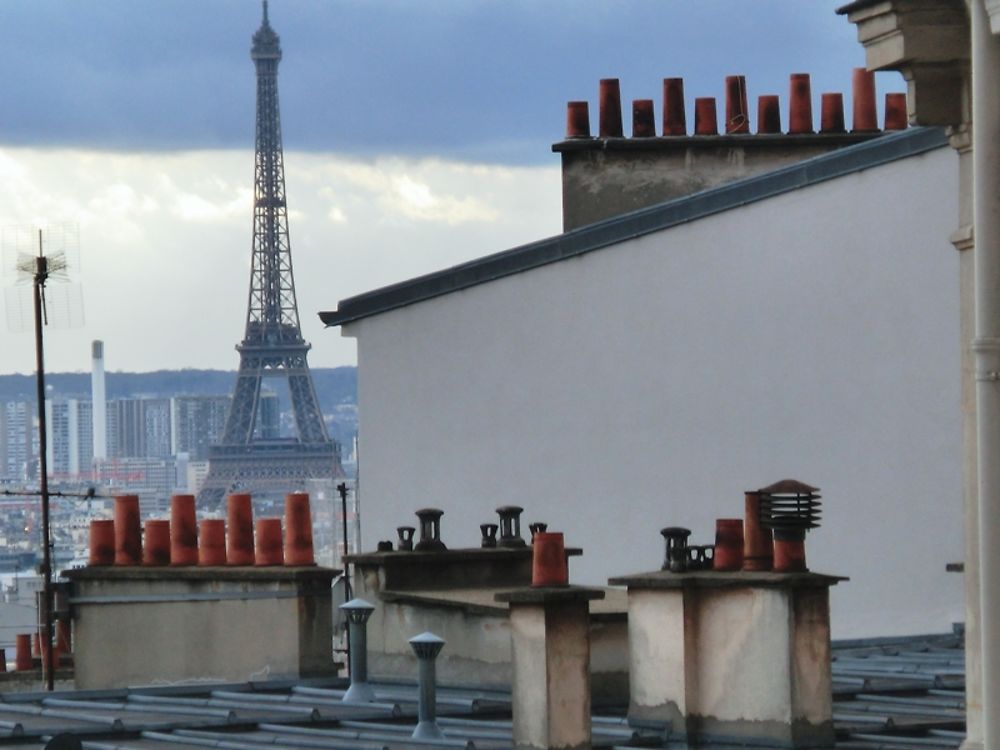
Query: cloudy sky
{"points": [[417, 135]]}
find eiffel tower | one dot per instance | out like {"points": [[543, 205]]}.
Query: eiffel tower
{"points": [[246, 460]]}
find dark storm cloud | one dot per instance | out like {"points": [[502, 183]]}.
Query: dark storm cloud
{"points": [[476, 79]]}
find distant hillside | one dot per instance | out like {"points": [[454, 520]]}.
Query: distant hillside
{"points": [[334, 386]]}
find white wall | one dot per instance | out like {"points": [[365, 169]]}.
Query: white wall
{"points": [[812, 335]]}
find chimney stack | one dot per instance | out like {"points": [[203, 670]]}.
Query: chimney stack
{"points": [[550, 645], [99, 403]]}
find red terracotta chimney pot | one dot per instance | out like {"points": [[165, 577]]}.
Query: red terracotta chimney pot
{"points": [[577, 120], [800, 120], [269, 550], [789, 555], [548, 559], [211, 542], [156, 550], [239, 515], [864, 116], [768, 114], [643, 120], [674, 117], [728, 544], [298, 530], [896, 117], [102, 542], [610, 108], [737, 109], [758, 542], [832, 113], [22, 654], [706, 121], [183, 531], [128, 531]]}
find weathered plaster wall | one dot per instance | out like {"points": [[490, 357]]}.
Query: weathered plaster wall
{"points": [[813, 335]]}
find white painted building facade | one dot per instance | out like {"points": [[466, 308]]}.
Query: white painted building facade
{"points": [[647, 370]]}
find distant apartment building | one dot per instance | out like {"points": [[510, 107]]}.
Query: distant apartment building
{"points": [[144, 436], [139, 427], [70, 445], [196, 423], [150, 478], [17, 427]]}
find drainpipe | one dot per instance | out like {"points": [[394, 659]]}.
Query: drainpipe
{"points": [[986, 345], [358, 611], [427, 646]]}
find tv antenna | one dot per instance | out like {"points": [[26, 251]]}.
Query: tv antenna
{"points": [[32, 266]]}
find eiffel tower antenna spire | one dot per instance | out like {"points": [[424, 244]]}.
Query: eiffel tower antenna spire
{"points": [[272, 346]]}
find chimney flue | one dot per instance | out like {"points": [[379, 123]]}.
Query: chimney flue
{"points": [[128, 531], [896, 117], [674, 117], [358, 611], [768, 114], [22, 652], [643, 121], [577, 120], [610, 108], [211, 542], [800, 119], [832, 113], [156, 546], [864, 117], [737, 109], [298, 530], [427, 646], [239, 530], [102, 542], [510, 525], [706, 120], [269, 549], [183, 531]]}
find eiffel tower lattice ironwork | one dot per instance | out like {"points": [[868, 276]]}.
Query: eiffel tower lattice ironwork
{"points": [[273, 346]]}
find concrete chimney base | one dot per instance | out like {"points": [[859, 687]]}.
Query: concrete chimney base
{"points": [[550, 637], [157, 625], [732, 657]]}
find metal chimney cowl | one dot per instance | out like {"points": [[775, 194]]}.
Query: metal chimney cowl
{"points": [[427, 646]]}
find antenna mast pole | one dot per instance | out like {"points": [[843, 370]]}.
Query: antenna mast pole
{"points": [[41, 276]]}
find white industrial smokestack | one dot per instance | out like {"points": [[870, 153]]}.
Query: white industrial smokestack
{"points": [[99, 401]]}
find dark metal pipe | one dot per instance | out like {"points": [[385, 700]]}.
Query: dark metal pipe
{"points": [[41, 276]]}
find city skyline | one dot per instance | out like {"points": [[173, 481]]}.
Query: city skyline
{"points": [[431, 151]]}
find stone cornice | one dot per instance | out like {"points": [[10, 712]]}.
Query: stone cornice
{"points": [[928, 42]]}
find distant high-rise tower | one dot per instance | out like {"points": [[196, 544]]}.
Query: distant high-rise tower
{"points": [[99, 400], [272, 346]]}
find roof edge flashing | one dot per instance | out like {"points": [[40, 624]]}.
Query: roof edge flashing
{"points": [[585, 239]]}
